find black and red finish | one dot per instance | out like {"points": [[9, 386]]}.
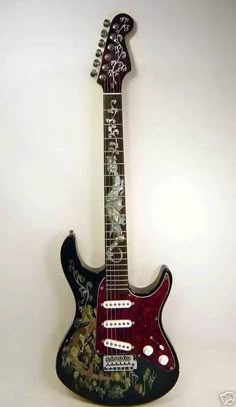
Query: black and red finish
{"points": [[147, 330], [80, 360]]}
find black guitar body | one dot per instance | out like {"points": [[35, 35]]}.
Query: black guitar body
{"points": [[78, 364]]}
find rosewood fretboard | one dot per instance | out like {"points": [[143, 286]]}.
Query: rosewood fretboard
{"points": [[114, 197]]}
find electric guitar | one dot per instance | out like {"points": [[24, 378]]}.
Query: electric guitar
{"points": [[116, 351]]}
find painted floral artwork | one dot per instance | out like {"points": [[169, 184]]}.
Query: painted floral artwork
{"points": [[80, 359]]}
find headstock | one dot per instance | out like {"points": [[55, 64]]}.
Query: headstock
{"points": [[113, 59]]}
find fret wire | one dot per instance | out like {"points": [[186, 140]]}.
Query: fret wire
{"points": [[106, 110], [115, 279], [110, 124], [120, 289]]}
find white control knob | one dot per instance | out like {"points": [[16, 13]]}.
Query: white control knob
{"points": [[163, 360], [148, 350]]}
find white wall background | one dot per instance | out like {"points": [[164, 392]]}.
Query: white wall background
{"points": [[181, 195]]}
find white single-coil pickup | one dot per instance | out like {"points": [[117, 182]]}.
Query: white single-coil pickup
{"points": [[110, 343], [118, 323], [117, 304]]}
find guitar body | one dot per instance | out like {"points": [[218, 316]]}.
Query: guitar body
{"points": [[80, 358]]}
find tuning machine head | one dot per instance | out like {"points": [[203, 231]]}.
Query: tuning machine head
{"points": [[112, 61], [98, 53], [106, 23], [93, 73], [104, 33]]}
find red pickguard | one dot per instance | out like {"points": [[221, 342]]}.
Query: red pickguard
{"points": [[146, 330]]}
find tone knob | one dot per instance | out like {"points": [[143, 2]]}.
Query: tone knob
{"points": [[96, 63], [163, 360], [148, 350], [98, 53], [106, 23], [93, 73], [101, 43], [104, 33]]}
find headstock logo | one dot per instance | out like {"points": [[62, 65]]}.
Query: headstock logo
{"points": [[227, 398]]}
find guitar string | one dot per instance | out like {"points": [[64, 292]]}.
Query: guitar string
{"points": [[105, 167]]}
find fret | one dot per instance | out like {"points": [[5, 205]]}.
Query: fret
{"points": [[116, 163], [116, 279], [109, 124], [110, 239], [114, 289], [107, 110], [122, 277], [109, 138], [108, 151], [118, 247], [112, 93], [114, 267]]}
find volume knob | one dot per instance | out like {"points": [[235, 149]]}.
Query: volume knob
{"points": [[148, 350], [163, 360]]}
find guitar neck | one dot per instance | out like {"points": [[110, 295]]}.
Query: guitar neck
{"points": [[116, 257]]}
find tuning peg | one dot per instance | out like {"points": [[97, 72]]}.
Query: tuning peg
{"points": [[106, 23], [98, 53], [101, 43], [115, 26], [113, 36], [93, 73], [102, 77], [96, 63], [111, 47], [105, 67], [104, 33]]}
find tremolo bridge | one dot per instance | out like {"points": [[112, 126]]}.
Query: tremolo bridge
{"points": [[119, 363]]}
